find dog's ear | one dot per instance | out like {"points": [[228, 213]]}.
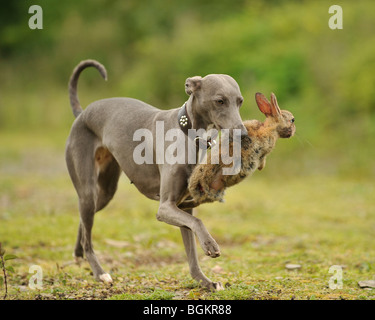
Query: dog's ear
{"points": [[263, 104], [192, 84], [275, 107]]}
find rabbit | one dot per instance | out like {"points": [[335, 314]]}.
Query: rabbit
{"points": [[207, 182]]}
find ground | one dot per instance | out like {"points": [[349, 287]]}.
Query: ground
{"points": [[315, 221]]}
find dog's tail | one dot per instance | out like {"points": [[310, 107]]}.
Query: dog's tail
{"points": [[74, 102]]}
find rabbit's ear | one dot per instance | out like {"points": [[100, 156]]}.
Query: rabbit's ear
{"points": [[263, 104], [275, 107]]}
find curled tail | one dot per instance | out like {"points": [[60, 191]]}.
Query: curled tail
{"points": [[74, 102]]}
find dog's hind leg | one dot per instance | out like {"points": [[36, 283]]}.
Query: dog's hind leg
{"points": [[191, 252], [81, 162], [87, 211], [108, 174], [78, 249]]}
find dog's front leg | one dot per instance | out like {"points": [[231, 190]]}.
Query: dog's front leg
{"points": [[172, 189], [195, 270], [169, 212]]}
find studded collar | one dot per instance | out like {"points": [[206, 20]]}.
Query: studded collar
{"points": [[183, 119], [185, 124]]}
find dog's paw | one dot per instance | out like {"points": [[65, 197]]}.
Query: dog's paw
{"points": [[106, 278], [215, 286], [218, 286], [211, 248]]}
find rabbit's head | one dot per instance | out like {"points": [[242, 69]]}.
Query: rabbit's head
{"points": [[281, 120]]}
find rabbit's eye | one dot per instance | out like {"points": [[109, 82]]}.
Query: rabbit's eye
{"points": [[292, 121]]}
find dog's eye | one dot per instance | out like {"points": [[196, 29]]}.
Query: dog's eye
{"points": [[220, 101], [292, 121]]}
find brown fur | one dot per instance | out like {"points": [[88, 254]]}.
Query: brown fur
{"points": [[102, 158], [207, 183]]}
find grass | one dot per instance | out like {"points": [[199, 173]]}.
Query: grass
{"points": [[266, 222]]}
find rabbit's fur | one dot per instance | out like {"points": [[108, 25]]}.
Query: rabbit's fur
{"points": [[207, 182]]}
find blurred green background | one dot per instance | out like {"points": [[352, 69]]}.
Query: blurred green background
{"points": [[325, 77]]}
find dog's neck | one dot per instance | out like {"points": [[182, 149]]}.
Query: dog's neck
{"points": [[184, 118], [187, 119], [197, 121]]}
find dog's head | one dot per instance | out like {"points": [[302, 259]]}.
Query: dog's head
{"points": [[215, 99]]}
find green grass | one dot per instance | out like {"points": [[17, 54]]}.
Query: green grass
{"points": [[266, 222]]}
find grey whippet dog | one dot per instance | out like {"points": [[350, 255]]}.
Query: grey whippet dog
{"points": [[100, 146]]}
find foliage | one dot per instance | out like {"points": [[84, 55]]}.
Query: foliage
{"points": [[5, 269]]}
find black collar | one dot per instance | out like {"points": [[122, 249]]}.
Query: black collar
{"points": [[185, 124], [183, 119]]}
